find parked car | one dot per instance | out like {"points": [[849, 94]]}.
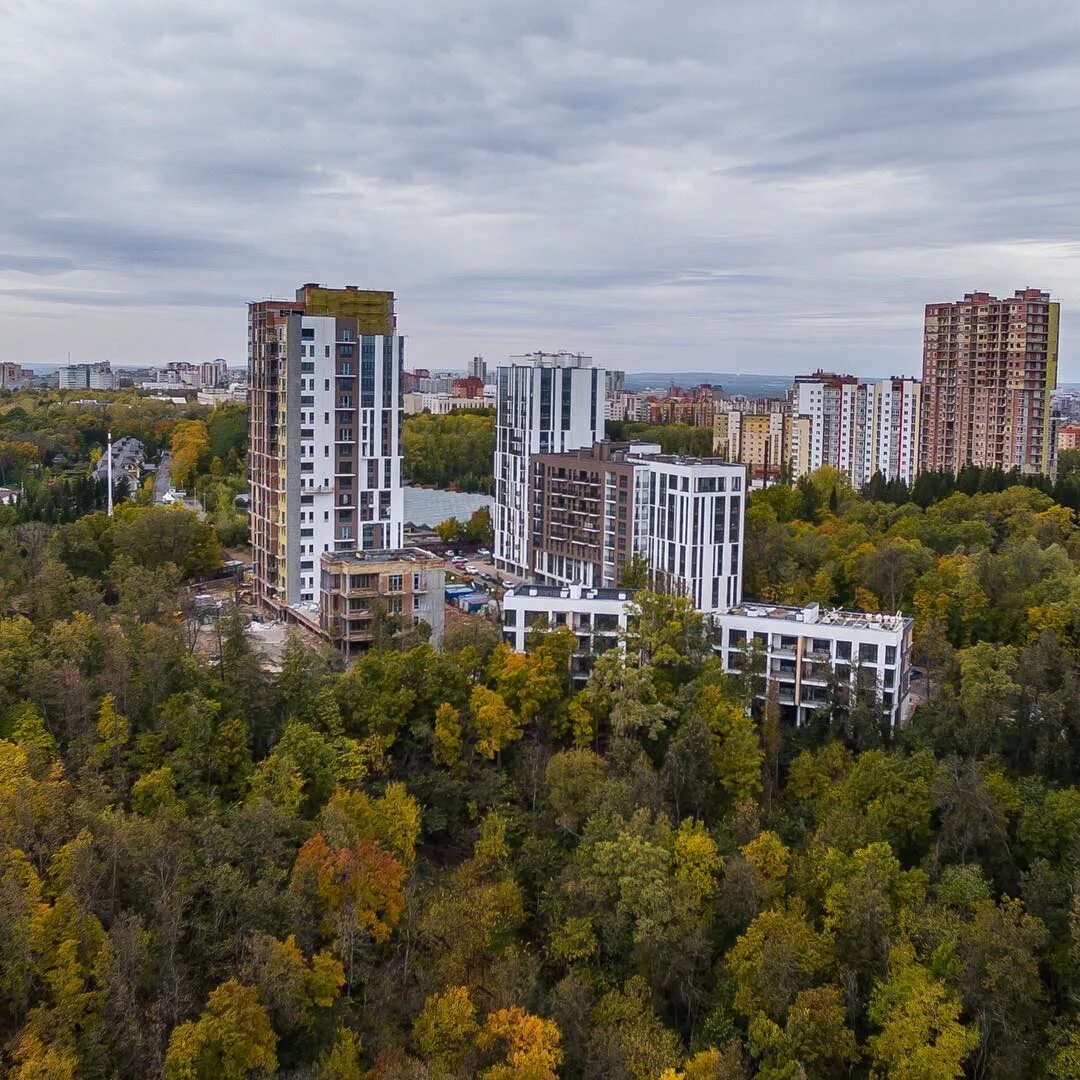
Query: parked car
{"points": [[470, 569], [483, 552], [451, 554]]}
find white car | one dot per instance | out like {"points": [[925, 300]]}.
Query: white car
{"points": [[483, 552], [470, 569]]}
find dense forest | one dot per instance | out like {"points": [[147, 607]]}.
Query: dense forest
{"points": [[49, 442], [673, 438], [452, 451], [455, 864], [456, 450]]}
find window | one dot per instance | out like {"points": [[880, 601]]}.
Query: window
{"points": [[868, 653], [394, 583], [843, 650], [395, 605], [307, 333], [890, 654]]}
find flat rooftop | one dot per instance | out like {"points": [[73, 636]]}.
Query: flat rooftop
{"points": [[381, 555], [569, 592], [682, 459], [812, 615]]}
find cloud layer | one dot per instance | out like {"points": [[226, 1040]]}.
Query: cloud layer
{"points": [[753, 187]]}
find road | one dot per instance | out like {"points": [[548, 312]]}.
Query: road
{"points": [[161, 477]]}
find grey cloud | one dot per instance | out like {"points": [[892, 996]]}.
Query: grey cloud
{"points": [[773, 186]]}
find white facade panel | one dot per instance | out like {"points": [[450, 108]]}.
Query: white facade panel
{"points": [[546, 405]]}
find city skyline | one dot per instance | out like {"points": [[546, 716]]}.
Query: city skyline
{"points": [[775, 191]]}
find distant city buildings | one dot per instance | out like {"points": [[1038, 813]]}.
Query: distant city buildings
{"points": [[223, 395], [325, 376], [621, 405], [760, 439], [440, 404], [469, 387], [695, 407], [86, 377], [199, 376], [422, 381], [545, 403], [14, 376], [989, 367]]}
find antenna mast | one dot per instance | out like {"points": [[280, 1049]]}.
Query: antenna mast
{"points": [[108, 467]]}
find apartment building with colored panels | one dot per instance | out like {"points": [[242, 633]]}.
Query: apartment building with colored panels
{"points": [[324, 372]]}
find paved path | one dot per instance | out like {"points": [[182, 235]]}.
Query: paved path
{"points": [[161, 477]]}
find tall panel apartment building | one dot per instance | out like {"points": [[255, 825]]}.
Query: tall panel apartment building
{"points": [[989, 367], [829, 404], [324, 373], [887, 431], [695, 528], [546, 403]]}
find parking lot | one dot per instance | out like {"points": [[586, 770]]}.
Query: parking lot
{"points": [[486, 576]]}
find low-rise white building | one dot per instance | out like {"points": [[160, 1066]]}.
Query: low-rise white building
{"points": [[441, 404], [806, 650], [596, 616], [803, 651]]}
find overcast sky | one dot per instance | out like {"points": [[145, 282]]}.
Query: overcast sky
{"points": [[708, 185]]}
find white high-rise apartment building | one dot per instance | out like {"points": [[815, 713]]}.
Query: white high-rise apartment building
{"points": [[829, 405], [696, 510], [545, 403], [325, 375], [887, 430]]}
